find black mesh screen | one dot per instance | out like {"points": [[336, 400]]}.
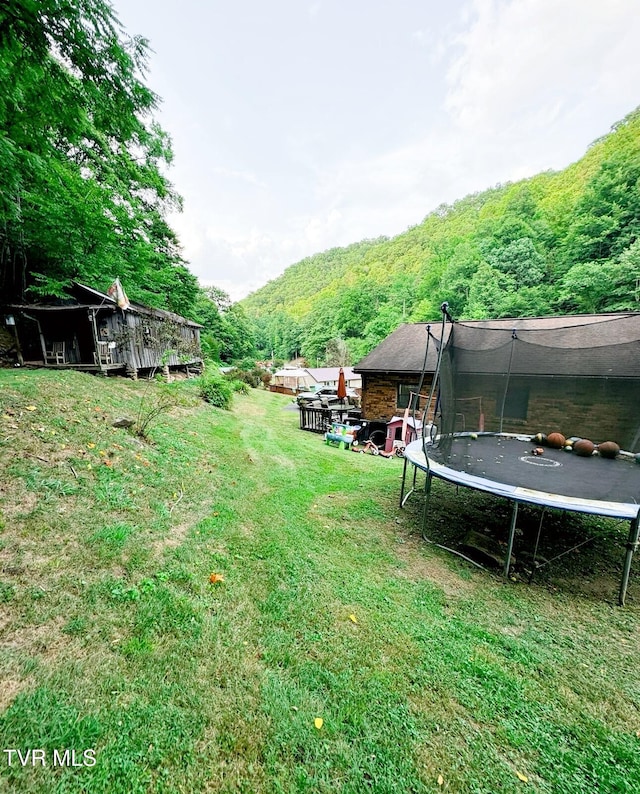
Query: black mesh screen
{"points": [[581, 380]]}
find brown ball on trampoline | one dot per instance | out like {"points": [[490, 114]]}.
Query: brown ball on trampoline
{"points": [[608, 449], [556, 440], [584, 447]]}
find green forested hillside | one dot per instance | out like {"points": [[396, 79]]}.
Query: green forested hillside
{"points": [[559, 242]]}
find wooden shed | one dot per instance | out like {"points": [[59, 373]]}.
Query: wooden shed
{"points": [[90, 332]]}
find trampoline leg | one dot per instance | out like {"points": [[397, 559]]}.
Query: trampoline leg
{"points": [[404, 478], [427, 495], [404, 492], [512, 532], [632, 546], [535, 550]]}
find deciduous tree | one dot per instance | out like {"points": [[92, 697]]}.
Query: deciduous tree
{"points": [[83, 193]]}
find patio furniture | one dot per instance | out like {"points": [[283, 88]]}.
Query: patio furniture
{"points": [[56, 354]]}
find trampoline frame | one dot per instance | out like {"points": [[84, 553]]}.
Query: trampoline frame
{"points": [[416, 454]]}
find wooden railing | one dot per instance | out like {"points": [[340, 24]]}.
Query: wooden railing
{"points": [[317, 420]]}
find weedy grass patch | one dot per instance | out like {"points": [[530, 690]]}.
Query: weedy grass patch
{"points": [[230, 605]]}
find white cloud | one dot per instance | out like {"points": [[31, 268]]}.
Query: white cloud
{"points": [[527, 63], [521, 81]]}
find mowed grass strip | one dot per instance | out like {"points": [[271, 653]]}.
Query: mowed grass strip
{"points": [[333, 651]]}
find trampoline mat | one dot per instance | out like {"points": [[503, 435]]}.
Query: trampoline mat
{"points": [[509, 460]]}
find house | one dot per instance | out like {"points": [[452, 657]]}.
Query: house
{"points": [[578, 374], [88, 331], [328, 376], [391, 372], [292, 380]]}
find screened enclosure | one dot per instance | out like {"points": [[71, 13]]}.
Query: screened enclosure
{"points": [[506, 392]]}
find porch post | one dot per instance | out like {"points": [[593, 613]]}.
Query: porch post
{"points": [[94, 333]]}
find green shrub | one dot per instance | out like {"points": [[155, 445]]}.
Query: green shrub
{"points": [[252, 377], [216, 390], [240, 386], [156, 402]]}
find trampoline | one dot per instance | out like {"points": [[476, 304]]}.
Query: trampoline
{"points": [[482, 375]]}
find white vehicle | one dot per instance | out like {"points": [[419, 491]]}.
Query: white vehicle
{"points": [[326, 396]]}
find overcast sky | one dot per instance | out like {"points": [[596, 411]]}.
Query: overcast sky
{"points": [[300, 125]]}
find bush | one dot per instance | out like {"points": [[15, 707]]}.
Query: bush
{"points": [[252, 377], [157, 401], [216, 390], [240, 386]]}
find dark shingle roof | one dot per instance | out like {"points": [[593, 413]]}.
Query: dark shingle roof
{"points": [[403, 351], [593, 345]]}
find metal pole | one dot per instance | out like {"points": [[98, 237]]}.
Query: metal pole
{"points": [[427, 496], [632, 546], [514, 336], [404, 477], [535, 550], [512, 532]]}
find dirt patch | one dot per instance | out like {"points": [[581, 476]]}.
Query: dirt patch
{"points": [[604, 588], [419, 563], [11, 688], [174, 539], [14, 507], [586, 552], [46, 640]]}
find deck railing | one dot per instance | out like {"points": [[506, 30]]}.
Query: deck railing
{"points": [[317, 420]]}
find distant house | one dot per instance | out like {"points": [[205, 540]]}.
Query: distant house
{"points": [[579, 374], [292, 380], [88, 331], [328, 376]]}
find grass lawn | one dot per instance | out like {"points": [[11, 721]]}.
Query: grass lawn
{"points": [[334, 650]]}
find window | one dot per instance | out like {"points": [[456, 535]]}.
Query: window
{"points": [[405, 390]]}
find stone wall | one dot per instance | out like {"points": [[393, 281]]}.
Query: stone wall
{"points": [[380, 395]]}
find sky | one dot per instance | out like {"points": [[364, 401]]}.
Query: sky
{"points": [[302, 125]]}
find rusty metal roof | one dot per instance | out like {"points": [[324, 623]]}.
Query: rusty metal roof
{"points": [[84, 297]]}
